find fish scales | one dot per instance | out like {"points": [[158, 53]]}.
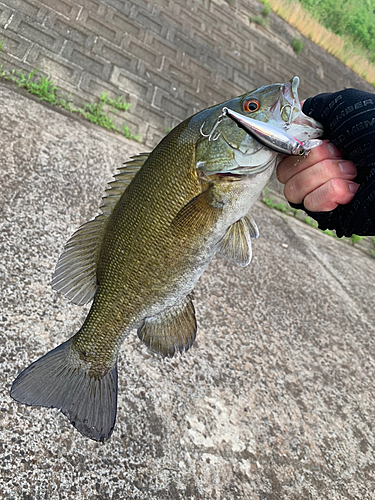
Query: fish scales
{"points": [[127, 285], [165, 217]]}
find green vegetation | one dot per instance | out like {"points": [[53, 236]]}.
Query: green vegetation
{"points": [[343, 28], [373, 251], [355, 19], [272, 204], [300, 215], [297, 45], [96, 114], [267, 9], [263, 19], [330, 233], [355, 238], [44, 88]]}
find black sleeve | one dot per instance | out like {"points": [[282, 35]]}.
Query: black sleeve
{"points": [[348, 118]]}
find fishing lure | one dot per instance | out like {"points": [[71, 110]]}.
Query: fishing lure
{"points": [[272, 137]]}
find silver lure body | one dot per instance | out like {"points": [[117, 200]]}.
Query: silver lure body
{"points": [[272, 137]]}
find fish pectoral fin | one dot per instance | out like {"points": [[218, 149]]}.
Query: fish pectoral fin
{"points": [[171, 331], [201, 212], [235, 246]]}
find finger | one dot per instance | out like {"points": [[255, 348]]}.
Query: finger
{"points": [[310, 179], [331, 194], [291, 165]]}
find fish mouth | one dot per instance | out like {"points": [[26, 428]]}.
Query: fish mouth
{"points": [[230, 176], [290, 91], [288, 111], [287, 107]]}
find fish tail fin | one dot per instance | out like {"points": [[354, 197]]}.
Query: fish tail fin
{"points": [[57, 380]]}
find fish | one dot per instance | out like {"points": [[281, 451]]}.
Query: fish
{"points": [[164, 218]]}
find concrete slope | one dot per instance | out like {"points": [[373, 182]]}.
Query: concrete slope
{"points": [[274, 401]]}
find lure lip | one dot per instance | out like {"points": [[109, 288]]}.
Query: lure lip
{"points": [[272, 137]]}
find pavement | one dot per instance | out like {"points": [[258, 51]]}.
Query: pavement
{"points": [[275, 400]]}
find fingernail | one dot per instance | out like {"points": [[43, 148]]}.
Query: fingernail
{"points": [[347, 167], [334, 152], [353, 187]]}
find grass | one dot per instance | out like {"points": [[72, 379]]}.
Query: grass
{"points": [[355, 238], [95, 113], [297, 45], [44, 88], [263, 19], [342, 47]]}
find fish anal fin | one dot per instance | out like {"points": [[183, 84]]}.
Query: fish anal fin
{"points": [[235, 246], [175, 330], [56, 380]]}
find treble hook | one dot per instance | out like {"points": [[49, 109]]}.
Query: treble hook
{"points": [[217, 123], [290, 106]]}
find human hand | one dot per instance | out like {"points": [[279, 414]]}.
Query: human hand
{"points": [[322, 181]]}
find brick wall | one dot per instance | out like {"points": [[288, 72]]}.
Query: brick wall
{"points": [[169, 58]]}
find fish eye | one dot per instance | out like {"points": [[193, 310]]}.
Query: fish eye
{"points": [[251, 105]]}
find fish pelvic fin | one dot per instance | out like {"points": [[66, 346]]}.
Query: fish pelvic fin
{"points": [[172, 331], [235, 246], [75, 273], [58, 380]]}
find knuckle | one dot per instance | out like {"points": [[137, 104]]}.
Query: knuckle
{"points": [[335, 187], [328, 169], [292, 192]]}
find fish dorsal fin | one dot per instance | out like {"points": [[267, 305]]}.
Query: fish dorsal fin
{"points": [[172, 331], [75, 273], [236, 243], [117, 187]]}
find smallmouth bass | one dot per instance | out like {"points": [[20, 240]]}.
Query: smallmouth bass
{"points": [[163, 219]]}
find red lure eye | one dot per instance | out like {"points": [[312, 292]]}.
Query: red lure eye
{"points": [[251, 105]]}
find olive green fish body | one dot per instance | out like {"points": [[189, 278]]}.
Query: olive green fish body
{"points": [[165, 217]]}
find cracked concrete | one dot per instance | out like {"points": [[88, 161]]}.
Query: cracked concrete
{"points": [[274, 401]]}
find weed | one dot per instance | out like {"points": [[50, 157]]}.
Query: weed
{"points": [[355, 238], [44, 88], [297, 45], [310, 222], [266, 9], [262, 21], [126, 132], [330, 233], [272, 204], [117, 104]]}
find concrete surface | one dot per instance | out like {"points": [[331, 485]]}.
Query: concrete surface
{"points": [[274, 401]]}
